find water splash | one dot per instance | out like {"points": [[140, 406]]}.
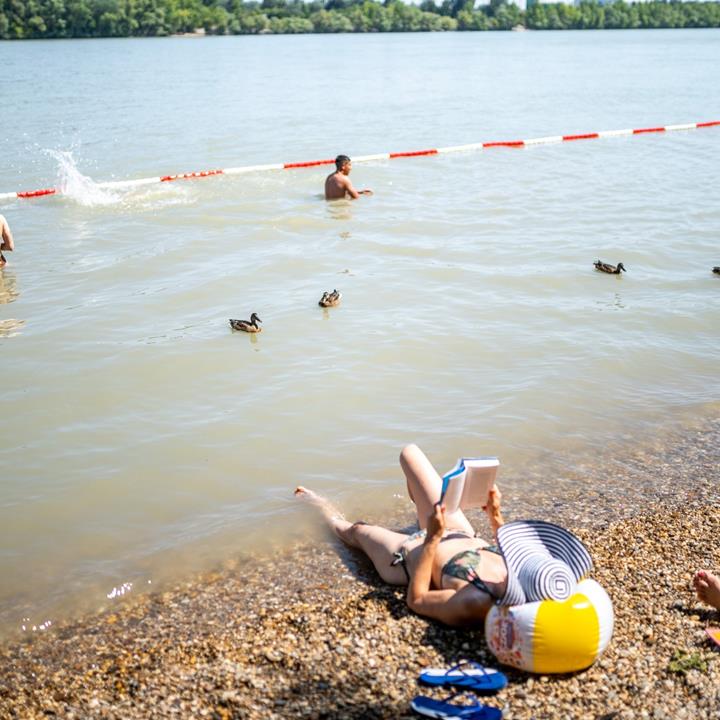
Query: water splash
{"points": [[76, 186], [85, 191]]}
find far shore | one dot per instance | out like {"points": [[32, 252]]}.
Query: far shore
{"points": [[313, 632], [282, 17]]}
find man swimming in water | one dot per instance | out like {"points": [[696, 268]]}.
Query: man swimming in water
{"points": [[7, 239], [338, 185]]}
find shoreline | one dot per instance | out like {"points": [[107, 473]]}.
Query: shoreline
{"points": [[578, 486], [312, 631]]}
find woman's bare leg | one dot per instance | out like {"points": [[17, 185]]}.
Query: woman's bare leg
{"points": [[333, 517], [424, 486], [378, 543]]}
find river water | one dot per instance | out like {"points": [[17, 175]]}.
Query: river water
{"points": [[139, 436]]}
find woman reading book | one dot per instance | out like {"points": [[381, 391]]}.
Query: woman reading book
{"points": [[452, 575]]}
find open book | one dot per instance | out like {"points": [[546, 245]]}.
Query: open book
{"points": [[468, 483]]}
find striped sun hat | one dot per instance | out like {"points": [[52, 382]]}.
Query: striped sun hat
{"points": [[544, 561]]}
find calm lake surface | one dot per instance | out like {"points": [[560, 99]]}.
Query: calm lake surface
{"points": [[140, 437]]}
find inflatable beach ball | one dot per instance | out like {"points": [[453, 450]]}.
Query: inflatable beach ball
{"points": [[552, 636]]}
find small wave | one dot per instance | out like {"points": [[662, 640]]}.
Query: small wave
{"points": [[11, 328], [76, 186]]}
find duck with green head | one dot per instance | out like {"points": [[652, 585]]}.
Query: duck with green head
{"points": [[610, 269], [250, 326]]}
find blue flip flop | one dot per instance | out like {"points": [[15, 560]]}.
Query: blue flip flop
{"points": [[444, 709], [466, 675]]}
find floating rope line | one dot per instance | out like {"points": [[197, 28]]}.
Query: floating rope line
{"points": [[367, 158]]}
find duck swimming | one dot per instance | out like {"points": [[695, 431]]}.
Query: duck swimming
{"points": [[250, 326], [611, 269], [330, 299]]}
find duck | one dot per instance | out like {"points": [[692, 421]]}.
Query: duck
{"points": [[250, 326], [330, 299], [716, 270], [612, 269]]}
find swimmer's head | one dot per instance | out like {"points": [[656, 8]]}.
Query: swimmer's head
{"points": [[341, 161]]}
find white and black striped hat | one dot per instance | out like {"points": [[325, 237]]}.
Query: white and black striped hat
{"points": [[544, 561]]}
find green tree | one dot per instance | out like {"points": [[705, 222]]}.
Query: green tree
{"points": [[358, 19], [472, 20], [35, 27], [111, 18], [505, 17], [378, 16], [79, 19], [454, 7], [254, 23], [53, 15], [216, 20], [290, 25], [330, 21]]}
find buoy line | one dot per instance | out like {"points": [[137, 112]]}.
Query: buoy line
{"points": [[367, 158]]}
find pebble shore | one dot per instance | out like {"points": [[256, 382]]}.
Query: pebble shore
{"points": [[313, 633]]}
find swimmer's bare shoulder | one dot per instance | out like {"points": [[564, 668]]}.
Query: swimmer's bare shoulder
{"points": [[336, 186]]}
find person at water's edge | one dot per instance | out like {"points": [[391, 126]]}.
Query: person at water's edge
{"points": [[338, 185], [424, 560], [7, 239]]}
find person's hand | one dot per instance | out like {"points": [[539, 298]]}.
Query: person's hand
{"points": [[366, 192], [436, 522], [493, 508], [494, 498]]}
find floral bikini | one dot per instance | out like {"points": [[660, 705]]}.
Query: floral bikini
{"points": [[462, 565]]}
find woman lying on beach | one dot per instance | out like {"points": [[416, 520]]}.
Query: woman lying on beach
{"points": [[452, 575]]}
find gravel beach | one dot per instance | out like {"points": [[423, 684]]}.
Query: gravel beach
{"points": [[312, 632]]}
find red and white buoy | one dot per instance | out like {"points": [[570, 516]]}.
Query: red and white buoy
{"points": [[367, 158]]}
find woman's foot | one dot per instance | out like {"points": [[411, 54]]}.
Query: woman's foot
{"points": [[334, 518], [707, 587]]}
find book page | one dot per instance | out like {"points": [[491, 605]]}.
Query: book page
{"points": [[469, 482], [479, 479]]}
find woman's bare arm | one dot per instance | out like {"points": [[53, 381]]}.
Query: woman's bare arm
{"points": [[452, 607], [493, 510], [419, 585]]}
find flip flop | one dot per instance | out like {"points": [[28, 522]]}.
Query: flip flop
{"points": [[466, 675], [444, 709], [714, 634]]}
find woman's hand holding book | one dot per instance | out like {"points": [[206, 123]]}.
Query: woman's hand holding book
{"points": [[493, 509]]}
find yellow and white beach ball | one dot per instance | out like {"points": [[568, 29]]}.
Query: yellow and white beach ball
{"points": [[552, 636]]}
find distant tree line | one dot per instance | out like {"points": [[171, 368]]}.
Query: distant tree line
{"points": [[24, 19]]}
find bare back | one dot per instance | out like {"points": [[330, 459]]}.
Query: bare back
{"points": [[338, 186]]}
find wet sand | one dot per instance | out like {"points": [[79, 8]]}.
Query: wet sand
{"points": [[312, 632]]}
